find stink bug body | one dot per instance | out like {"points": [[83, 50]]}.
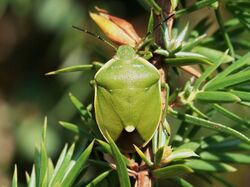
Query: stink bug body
{"points": [[128, 99], [128, 103]]}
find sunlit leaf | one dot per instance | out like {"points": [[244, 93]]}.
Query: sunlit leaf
{"points": [[181, 154], [61, 165], [76, 129], [143, 156], [222, 180], [79, 106], [120, 164], [226, 157], [70, 126], [50, 171], [174, 4], [72, 69], [98, 179], [159, 155], [184, 61], [217, 97], [196, 6], [181, 36], [209, 71], [231, 115], [154, 5], [41, 165], [244, 96], [236, 65], [78, 166], [171, 171], [202, 165], [193, 43], [107, 149], [210, 125], [212, 54], [27, 176], [229, 144], [32, 182], [150, 26], [162, 52], [14, 178], [181, 182], [190, 145], [230, 80], [240, 10]]}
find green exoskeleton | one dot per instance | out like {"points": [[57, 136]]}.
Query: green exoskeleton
{"points": [[128, 99]]}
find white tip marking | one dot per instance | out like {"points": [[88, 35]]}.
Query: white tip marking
{"points": [[130, 128]]}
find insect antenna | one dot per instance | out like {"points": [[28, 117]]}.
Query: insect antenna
{"points": [[96, 36], [159, 24]]}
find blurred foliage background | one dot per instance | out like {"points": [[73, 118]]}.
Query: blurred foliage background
{"points": [[36, 37]]}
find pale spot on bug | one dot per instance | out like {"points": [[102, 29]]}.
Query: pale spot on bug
{"points": [[130, 128], [116, 67], [137, 65]]}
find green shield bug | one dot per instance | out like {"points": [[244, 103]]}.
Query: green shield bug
{"points": [[128, 99]]}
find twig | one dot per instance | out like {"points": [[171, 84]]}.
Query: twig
{"points": [[143, 178]]}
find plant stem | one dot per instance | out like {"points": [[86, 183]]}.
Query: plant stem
{"points": [[166, 11], [143, 178], [224, 32]]}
